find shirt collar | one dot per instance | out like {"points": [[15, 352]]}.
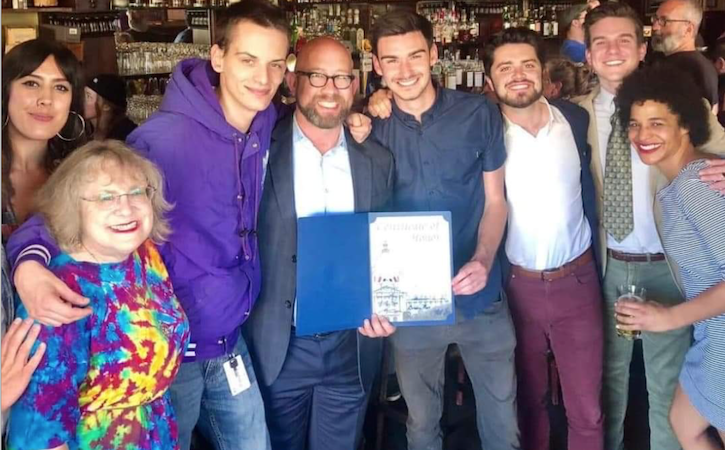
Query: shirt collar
{"points": [[299, 138], [431, 114], [605, 98], [546, 129]]}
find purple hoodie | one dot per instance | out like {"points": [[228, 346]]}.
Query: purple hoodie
{"points": [[213, 176]]}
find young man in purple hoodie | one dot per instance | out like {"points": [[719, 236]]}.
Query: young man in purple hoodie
{"points": [[210, 139]]}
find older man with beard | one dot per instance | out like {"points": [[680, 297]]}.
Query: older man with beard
{"points": [[315, 387], [674, 30], [552, 243]]}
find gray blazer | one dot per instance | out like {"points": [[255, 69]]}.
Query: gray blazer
{"points": [[269, 325]]}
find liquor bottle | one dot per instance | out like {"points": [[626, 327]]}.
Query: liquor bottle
{"points": [[469, 73], [547, 25], [473, 28], [506, 18], [554, 23], [359, 31], [530, 21]]}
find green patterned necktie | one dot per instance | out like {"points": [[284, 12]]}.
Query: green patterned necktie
{"points": [[618, 217]]}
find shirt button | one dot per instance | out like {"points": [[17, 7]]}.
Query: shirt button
{"points": [[240, 197], [288, 304], [247, 257], [254, 145], [239, 139], [431, 193]]}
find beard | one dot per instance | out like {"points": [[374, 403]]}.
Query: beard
{"points": [[665, 43], [520, 101], [325, 122]]}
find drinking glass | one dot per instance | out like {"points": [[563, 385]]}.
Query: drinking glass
{"points": [[632, 293]]}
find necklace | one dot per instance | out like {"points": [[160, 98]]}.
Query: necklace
{"points": [[90, 253]]}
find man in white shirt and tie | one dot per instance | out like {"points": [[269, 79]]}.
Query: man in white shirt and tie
{"points": [[631, 250]]}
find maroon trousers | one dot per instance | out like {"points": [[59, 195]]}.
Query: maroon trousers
{"points": [[565, 316]]}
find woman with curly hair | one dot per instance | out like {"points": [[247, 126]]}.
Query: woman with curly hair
{"points": [[666, 125]]}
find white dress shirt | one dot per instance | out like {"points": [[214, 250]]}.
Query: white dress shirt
{"points": [[546, 224], [323, 183], [644, 238]]}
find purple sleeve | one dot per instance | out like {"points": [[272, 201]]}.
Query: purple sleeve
{"points": [[31, 242]]}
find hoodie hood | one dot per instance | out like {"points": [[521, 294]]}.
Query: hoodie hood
{"points": [[191, 93]]}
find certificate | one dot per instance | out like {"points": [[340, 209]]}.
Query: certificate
{"points": [[398, 265], [410, 259]]}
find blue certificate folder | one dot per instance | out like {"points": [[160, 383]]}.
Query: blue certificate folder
{"points": [[396, 264]]}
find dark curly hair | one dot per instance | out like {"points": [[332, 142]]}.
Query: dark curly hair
{"points": [[671, 87]]}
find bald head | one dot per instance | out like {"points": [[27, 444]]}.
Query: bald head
{"points": [[323, 83], [320, 52], [684, 9]]}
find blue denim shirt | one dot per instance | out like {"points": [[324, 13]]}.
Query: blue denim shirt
{"points": [[439, 165]]}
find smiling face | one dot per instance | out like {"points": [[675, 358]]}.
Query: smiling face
{"points": [[516, 74], [655, 132], [614, 51], [327, 106], [111, 230], [39, 103], [404, 61], [250, 68]]}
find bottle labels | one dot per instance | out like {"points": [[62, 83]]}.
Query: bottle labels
{"points": [[478, 79]]}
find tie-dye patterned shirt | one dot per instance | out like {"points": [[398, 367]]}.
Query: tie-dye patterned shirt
{"points": [[103, 381]]}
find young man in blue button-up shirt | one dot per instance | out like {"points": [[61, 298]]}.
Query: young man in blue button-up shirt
{"points": [[449, 154]]}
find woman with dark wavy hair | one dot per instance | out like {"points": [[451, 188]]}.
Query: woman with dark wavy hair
{"points": [[667, 122], [42, 104]]}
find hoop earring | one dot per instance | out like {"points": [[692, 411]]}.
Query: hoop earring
{"points": [[7, 119], [83, 128]]}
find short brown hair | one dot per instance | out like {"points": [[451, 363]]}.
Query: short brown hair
{"points": [[400, 22], [612, 9], [59, 200], [259, 12]]}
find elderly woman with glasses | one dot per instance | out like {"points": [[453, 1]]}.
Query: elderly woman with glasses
{"points": [[104, 380], [665, 126]]}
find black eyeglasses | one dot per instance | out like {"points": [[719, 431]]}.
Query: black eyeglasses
{"points": [[662, 21], [319, 80]]}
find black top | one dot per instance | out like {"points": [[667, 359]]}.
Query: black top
{"points": [[122, 129], [700, 69]]}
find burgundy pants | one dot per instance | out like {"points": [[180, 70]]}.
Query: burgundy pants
{"points": [[564, 316]]}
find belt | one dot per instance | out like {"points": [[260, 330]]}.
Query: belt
{"points": [[635, 257], [559, 272]]}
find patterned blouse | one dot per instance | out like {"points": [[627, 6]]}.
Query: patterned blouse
{"points": [[103, 381]]}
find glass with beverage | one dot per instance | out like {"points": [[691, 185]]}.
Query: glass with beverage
{"points": [[632, 293]]}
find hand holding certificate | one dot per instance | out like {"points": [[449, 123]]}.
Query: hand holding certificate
{"points": [[352, 268]]}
